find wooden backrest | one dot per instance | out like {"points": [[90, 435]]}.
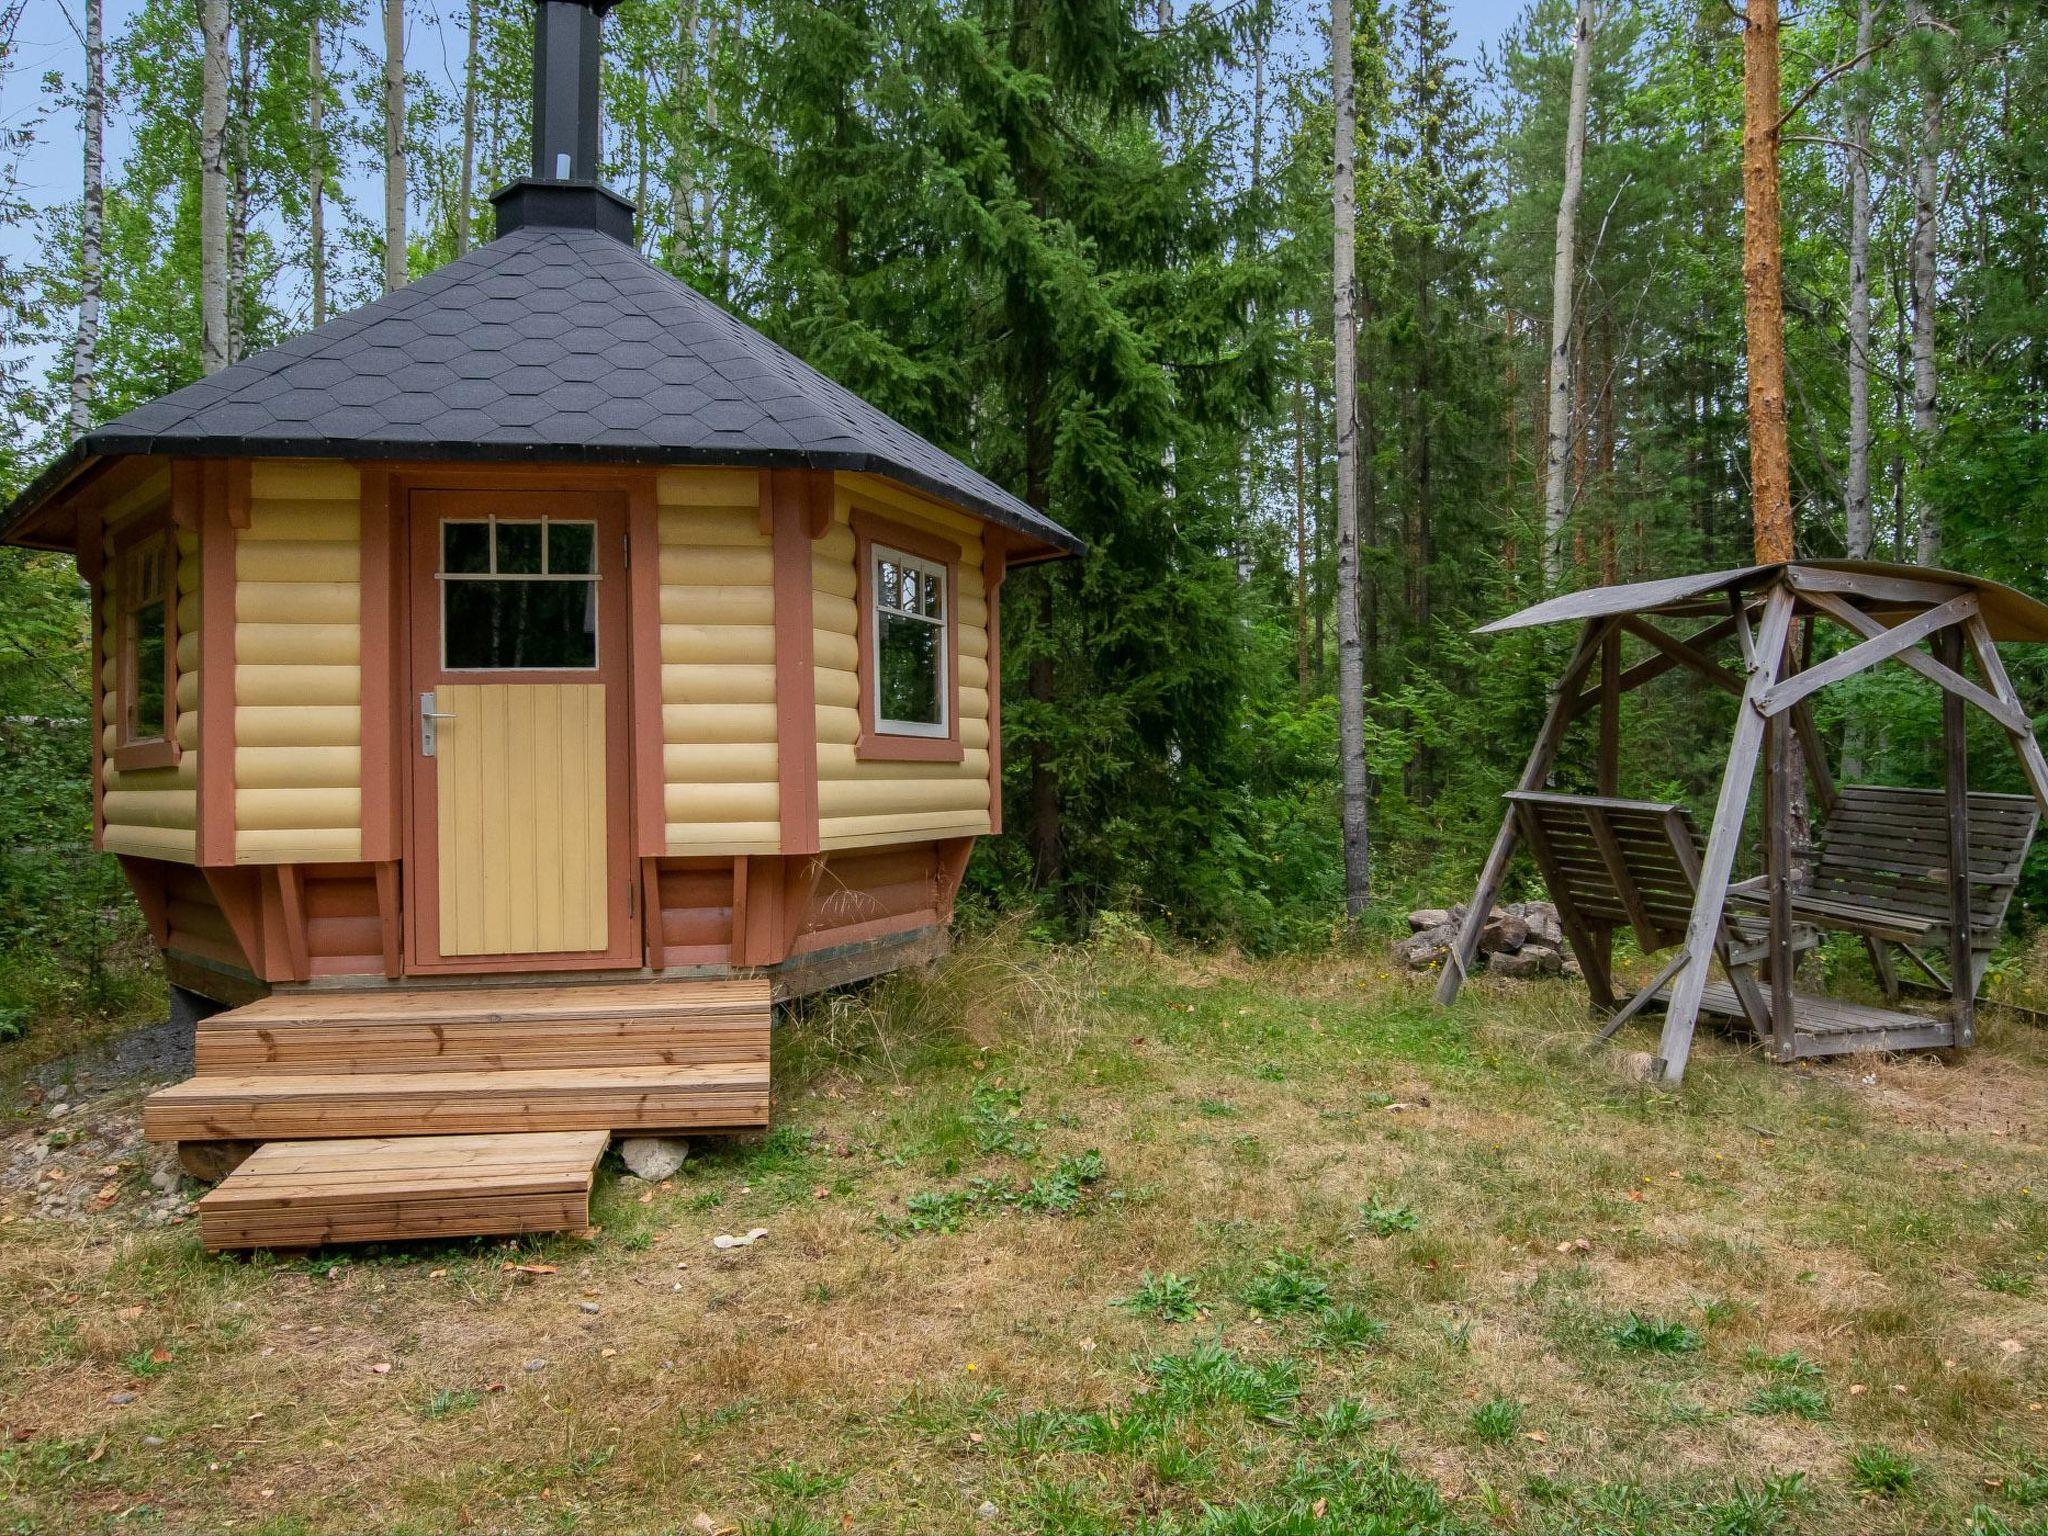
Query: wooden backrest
{"points": [[1887, 849], [1628, 863]]}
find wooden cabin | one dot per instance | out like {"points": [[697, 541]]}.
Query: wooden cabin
{"points": [[539, 621]]}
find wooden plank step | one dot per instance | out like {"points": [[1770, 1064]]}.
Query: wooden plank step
{"points": [[485, 1028], [299, 1195], [1831, 1026], [274, 1106]]}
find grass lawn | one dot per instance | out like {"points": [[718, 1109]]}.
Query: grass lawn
{"points": [[1110, 1240]]}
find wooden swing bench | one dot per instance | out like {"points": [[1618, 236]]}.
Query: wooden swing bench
{"points": [[1635, 864], [1881, 872]]}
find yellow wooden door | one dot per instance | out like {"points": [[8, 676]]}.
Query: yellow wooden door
{"points": [[520, 779]]}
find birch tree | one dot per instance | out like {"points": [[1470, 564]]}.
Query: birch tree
{"points": [[394, 144], [1857, 491], [1557, 447], [91, 221], [213, 186], [1921, 261], [465, 217], [316, 175], [1350, 644]]}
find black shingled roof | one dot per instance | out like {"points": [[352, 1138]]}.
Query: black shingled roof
{"points": [[546, 344]]}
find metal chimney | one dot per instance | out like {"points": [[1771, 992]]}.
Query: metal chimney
{"points": [[563, 191]]}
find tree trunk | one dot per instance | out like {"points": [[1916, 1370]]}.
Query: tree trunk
{"points": [[1858, 491], [1926, 207], [1350, 651], [1301, 545], [213, 186], [1557, 447], [92, 218], [316, 191], [239, 173], [465, 212], [394, 144], [1763, 295]]}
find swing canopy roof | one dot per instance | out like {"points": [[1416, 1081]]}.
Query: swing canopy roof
{"points": [[1889, 593]]}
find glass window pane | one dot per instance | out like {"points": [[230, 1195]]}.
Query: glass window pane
{"points": [[149, 671], [934, 600], [518, 549], [889, 584], [907, 689], [494, 625], [572, 549], [465, 547]]}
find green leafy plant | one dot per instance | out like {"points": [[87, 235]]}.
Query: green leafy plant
{"points": [[1495, 1421], [2007, 1282], [793, 1480], [1789, 1397], [1382, 1219], [995, 1115], [1882, 1472], [448, 1400], [1765, 1508], [1287, 1283], [1349, 1327], [1639, 1334], [1168, 1296]]}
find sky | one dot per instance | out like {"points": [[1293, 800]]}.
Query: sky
{"points": [[52, 172]]}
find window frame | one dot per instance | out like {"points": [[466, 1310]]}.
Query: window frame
{"points": [[132, 751], [592, 580], [882, 740]]}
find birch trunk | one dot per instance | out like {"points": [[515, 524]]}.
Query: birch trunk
{"points": [[91, 221], [238, 197], [1926, 207], [1301, 555], [1763, 296], [394, 144], [1350, 650], [316, 190], [1858, 491], [1557, 443], [465, 216], [213, 186], [683, 190]]}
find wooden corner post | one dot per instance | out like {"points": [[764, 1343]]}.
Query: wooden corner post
{"points": [[1562, 707], [1948, 648], [1764, 659]]}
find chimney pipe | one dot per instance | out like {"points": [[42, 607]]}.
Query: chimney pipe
{"points": [[566, 59], [563, 192]]}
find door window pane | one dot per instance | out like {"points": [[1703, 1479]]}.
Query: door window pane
{"points": [[498, 625], [572, 549], [466, 547], [518, 549]]}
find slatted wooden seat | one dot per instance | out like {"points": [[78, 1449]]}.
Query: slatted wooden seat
{"points": [[1881, 871], [1626, 864]]}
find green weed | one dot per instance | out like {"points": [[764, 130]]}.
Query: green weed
{"points": [[1384, 1220], [1287, 1283], [1653, 1336], [1168, 1296], [1494, 1422], [1882, 1472]]}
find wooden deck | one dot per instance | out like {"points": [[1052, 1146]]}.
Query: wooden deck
{"points": [[1828, 1026], [637, 1056], [304, 1194]]}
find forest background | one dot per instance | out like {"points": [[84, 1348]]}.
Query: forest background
{"points": [[1087, 246]]}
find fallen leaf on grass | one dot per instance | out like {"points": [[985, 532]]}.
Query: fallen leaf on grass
{"points": [[532, 1269], [128, 1314], [1538, 1436], [727, 1240], [381, 1368]]}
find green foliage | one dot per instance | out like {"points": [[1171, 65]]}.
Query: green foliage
{"points": [[1384, 1218], [1287, 1283], [1169, 1297], [1496, 1421], [1638, 1334], [1789, 1397], [1882, 1472]]}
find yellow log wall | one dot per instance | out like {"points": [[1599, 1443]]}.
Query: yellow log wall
{"points": [[298, 676], [152, 812], [719, 765], [865, 803]]}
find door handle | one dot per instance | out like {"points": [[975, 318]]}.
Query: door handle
{"points": [[429, 717]]}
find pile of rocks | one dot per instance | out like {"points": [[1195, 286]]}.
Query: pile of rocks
{"points": [[1523, 938]]}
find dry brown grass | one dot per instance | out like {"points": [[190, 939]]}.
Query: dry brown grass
{"points": [[853, 1372]]}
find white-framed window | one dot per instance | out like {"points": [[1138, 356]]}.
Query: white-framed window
{"points": [[518, 595], [908, 667]]}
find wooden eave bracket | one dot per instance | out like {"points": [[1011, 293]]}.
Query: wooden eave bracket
{"points": [[2009, 715]]}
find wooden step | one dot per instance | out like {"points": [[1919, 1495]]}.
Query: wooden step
{"points": [[303, 1194], [469, 1029], [1833, 1026], [264, 1106]]}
